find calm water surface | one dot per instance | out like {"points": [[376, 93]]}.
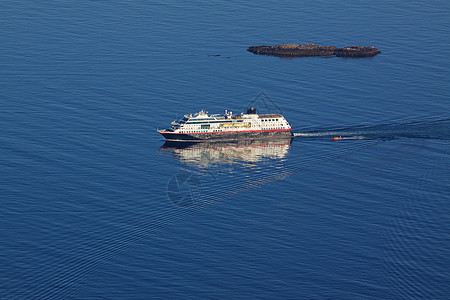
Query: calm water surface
{"points": [[95, 205]]}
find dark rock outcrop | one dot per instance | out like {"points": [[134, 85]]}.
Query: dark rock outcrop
{"points": [[294, 50], [357, 51]]}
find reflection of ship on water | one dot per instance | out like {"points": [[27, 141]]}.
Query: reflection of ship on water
{"points": [[204, 155]]}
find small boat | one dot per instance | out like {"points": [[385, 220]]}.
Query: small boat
{"points": [[338, 138]]}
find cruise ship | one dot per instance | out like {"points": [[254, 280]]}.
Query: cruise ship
{"points": [[202, 126]]}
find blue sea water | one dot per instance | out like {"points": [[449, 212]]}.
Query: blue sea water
{"points": [[94, 206]]}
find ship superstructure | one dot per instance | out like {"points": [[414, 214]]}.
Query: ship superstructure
{"points": [[250, 125]]}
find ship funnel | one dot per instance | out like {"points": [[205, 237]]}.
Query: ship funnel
{"points": [[251, 111]]}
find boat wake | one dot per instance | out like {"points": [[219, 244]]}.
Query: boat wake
{"points": [[430, 129]]}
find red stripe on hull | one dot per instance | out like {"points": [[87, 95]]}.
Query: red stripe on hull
{"points": [[228, 135]]}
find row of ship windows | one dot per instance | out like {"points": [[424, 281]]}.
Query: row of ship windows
{"points": [[197, 131], [227, 128]]}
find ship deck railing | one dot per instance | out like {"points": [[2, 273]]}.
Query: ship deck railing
{"points": [[270, 116]]}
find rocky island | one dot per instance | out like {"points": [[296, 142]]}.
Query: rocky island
{"points": [[294, 50]]}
